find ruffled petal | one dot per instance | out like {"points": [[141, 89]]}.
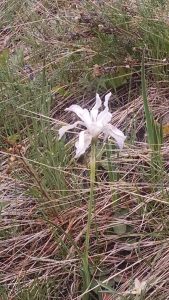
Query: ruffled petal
{"points": [[83, 143], [117, 134], [106, 101], [98, 102], [104, 117], [83, 114], [95, 109], [66, 128]]}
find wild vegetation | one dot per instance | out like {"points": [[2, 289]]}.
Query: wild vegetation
{"points": [[54, 54]]}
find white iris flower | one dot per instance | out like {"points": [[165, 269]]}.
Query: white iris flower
{"points": [[95, 123]]}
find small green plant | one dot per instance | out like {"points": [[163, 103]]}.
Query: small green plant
{"points": [[154, 132], [95, 123]]}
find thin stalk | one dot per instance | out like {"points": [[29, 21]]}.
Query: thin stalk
{"points": [[148, 114], [112, 172], [87, 278]]}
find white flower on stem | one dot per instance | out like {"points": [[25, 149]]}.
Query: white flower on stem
{"points": [[95, 123], [139, 287]]}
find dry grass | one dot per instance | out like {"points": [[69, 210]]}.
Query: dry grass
{"points": [[31, 250], [38, 245]]}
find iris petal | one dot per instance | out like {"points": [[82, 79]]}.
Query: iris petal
{"points": [[106, 101], [98, 102], [95, 109], [83, 114], [104, 117], [66, 128], [116, 133], [83, 143]]}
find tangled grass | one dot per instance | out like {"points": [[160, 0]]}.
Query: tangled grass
{"points": [[54, 54]]}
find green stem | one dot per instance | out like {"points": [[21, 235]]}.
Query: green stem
{"points": [[89, 221], [112, 171]]}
